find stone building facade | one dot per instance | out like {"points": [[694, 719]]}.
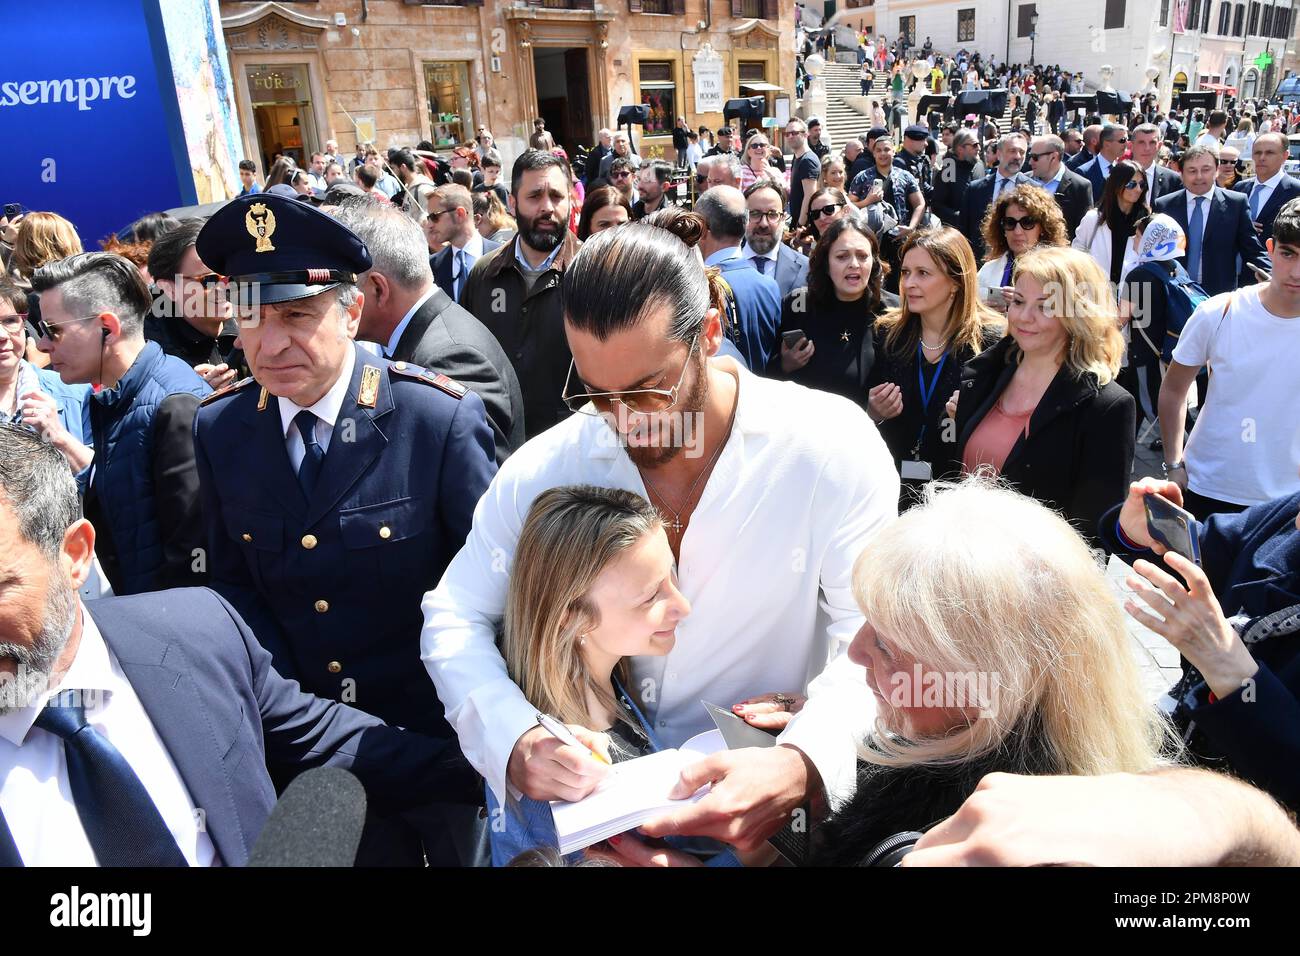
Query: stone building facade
{"points": [[399, 71]]}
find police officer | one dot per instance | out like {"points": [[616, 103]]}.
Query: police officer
{"points": [[336, 486], [913, 158]]}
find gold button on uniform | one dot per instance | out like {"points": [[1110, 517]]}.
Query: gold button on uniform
{"points": [[322, 606], [385, 532], [309, 541], [246, 536], [334, 667], [400, 366]]}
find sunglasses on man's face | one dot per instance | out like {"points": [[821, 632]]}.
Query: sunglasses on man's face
{"points": [[622, 175], [1035, 157]]}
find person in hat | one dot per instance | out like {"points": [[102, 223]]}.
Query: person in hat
{"points": [[913, 158], [336, 486]]}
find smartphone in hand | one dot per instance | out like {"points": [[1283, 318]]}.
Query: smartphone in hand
{"points": [[793, 337], [1173, 527]]}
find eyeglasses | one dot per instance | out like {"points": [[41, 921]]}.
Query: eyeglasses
{"points": [[1024, 222], [758, 145], [1136, 184], [623, 175], [827, 210], [435, 216], [642, 401], [757, 215], [54, 330], [1227, 162], [1035, 157], [13, 324]]}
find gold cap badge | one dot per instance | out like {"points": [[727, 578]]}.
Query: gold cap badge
{"points": [[260, 223]]}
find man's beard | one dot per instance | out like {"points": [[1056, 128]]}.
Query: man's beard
{"points": [[763, 244], [690, 404], [540, 239], [36, 663]]}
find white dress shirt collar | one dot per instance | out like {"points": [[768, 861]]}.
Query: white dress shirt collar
{"points": [[396, 337], [91, 670], [473, 248], [770, 254], [328, 405], [1208, 197], [1272, 182]]}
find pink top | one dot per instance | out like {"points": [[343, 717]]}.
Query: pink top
{"points": [[993, 439]]}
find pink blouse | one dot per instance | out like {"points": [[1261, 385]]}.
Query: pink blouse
{"points": [[993, 439]]}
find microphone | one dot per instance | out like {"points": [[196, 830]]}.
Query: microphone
{"points": [[317, 822]]}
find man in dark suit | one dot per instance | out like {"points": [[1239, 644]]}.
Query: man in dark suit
{"points": [[367, 472], [756, 299], [960, 167], [1217, 225], [980, 194], [1270, 188], [450, 229], [764, 230], [1091, 138], [1109, 150], [416, 322], [174, 772], [1145, 140], [1073, 193]]}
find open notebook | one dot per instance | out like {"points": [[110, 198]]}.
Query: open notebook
{"points": [[637, 790]]}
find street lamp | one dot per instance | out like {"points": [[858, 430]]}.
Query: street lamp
{"points": [[1033, 36]]}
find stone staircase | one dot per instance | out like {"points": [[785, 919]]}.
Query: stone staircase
{"points": [[842, 121]]}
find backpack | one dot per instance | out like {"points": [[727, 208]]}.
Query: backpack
{"points": [[1183, 297]]}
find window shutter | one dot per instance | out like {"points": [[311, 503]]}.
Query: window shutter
{"points": [[737, 8], [679, 7], [633, 6], [770, 11]]}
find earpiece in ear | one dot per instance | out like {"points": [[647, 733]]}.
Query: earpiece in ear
{"points": [[103, 334]]}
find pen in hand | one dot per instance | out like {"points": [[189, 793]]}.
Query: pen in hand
{"points": [[564, 735]]}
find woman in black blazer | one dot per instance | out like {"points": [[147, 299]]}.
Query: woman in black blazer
{"points": [[833, 316], [1042, 408]]}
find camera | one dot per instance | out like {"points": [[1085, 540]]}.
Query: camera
{"points": [[890, 852]]}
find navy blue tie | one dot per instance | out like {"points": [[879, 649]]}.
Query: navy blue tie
{"points": [[313, 454], [121, 822], [1195, 236], [761, 262]]}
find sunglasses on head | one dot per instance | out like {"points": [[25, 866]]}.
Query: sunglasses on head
{"points": [[1024, 222]]}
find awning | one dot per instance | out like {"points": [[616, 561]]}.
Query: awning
{"points": [[761, 87]]}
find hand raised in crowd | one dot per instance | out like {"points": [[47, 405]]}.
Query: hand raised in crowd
{"points": [[9, 229], [41, 413], [951, 405], [769, 711], [545, 768], [1177, 817], [217, 376], [753, 793], [1133, 516], [876, 193], [884, 402], [1192, 621], [796, 358]]}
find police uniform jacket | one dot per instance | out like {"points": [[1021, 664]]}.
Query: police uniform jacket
{"points": [[332, 585]]}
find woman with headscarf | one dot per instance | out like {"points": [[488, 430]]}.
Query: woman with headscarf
{"points": [[1157, 296]]}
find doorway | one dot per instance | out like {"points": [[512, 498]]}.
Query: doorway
{"points": [[280, 95], [562, 77]]}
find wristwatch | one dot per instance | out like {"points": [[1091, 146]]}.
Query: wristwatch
{"points": [[1166, 468]]}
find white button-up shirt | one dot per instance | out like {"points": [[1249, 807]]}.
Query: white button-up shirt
{"points": [[35, 795], [766, 562], [1205, 209], [327, 411], [1265, 190]]}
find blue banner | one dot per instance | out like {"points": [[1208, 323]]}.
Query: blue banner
{"points": [[89, 114]]}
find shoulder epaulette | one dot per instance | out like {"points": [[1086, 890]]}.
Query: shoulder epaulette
{"points": [[439, 381], [230, 389]]}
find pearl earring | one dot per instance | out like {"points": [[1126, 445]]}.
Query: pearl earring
{"points": [[582, 639]]}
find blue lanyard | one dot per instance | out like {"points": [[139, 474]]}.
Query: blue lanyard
{"points": [[651, 736], [927, 393]]}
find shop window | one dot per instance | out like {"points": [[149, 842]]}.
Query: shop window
{"points": [[659, 92], [451, 114]]}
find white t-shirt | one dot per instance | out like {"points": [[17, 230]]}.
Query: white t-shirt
{"points": [[1245, 447]]}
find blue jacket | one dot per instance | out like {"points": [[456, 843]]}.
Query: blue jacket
{"points": [[144, 491], [758, 309], [1253, 562], [222, 713], [332, 586]]}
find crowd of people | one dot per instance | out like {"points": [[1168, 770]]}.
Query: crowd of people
{"points": [[377, 467]]}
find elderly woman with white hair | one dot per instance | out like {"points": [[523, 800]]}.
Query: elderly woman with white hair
{"points": [[992, 643]]}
